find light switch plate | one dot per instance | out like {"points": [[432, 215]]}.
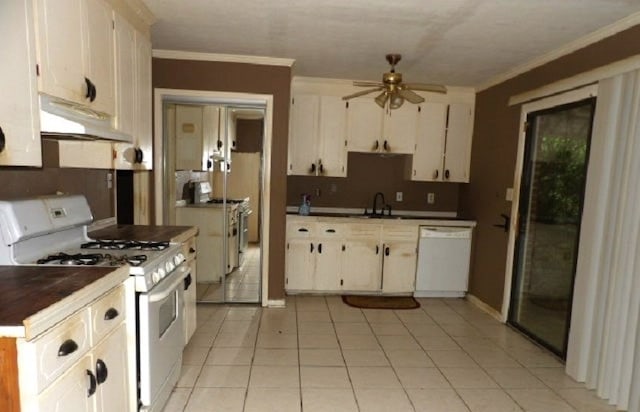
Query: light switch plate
{"points": [[398, 196], [431, 198]]}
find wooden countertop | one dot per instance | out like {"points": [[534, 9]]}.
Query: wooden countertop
{"points": [[151, 233], [34, 298]]}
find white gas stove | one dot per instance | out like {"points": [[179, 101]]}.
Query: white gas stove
{"points": [[53, 231]]}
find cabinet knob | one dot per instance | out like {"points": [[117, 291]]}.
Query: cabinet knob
{"points": [[92, 383], [376, 145], [311, 250], [313, 168], [219, 144], [446, 174], [94, 92], [385, 146], [101, 371], [436, 174], [319, 247], [89, 92], [321, 167], [192, 250], [111, 314], [68, 347], [187, 281], [377, 249], [209, 164], [2, 141], [386, 251], [139, 155]]}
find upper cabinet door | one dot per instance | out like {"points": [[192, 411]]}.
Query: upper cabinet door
{"points": [[364, 126], [332, 139], [99, 47], [189, 137], [303, 135], [143, 134], [400, 129], [60, 44], [19, 114], [458, 143], [125, 76], [429, 151]]}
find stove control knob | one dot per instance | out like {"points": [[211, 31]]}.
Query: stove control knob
{"points": [[169, 266], [162, 273], [155, 277], [179, 258]]}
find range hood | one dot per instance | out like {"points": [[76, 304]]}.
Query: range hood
{"points": [[66, 120]]}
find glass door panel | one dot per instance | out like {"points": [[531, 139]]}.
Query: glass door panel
{"points": [[551, 196]]}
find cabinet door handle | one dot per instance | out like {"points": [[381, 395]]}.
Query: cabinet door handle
{"points": [[446, 174], [92, 383], [344, 248], [101, 371], [377, 249], [111, 314], [94, 92], [386, 146], [89, 93], [219, 144], [68, 347], [187, 281], [386, 251], [233, 144], [139, 155], [302, 229], [330, 231], [192, 250], [2, 140], [436, 174], [376, 146], [311, 251], [209, 164], [321, 167], [313, 168], [319, 247]]}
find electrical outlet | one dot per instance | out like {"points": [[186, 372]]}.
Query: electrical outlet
{"points": [[398, 196], [431, 198]]}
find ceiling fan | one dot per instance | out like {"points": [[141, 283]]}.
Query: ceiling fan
{"points": [[393, 89]]}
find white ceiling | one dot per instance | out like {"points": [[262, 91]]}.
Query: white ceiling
{"points": [[453, 42]]}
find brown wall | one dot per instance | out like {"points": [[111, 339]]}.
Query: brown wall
{"points": [[249, 135], [20, 182], [494, 150], [247, 78], [368, 174]]}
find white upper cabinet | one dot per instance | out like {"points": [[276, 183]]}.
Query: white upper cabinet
{"points": [[19, 115], [429, 149], [458, 142], [317, 136], [133, 97], [364, 125], [443, 143], [75, 52], [373, 129], [189, 137]]}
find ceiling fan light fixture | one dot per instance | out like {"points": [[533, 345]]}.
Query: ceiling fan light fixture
{"points": [[396, 101], [381, 99]]}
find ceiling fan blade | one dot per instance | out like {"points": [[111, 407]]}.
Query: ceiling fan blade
{"points": [[411, 96], [362, 93], [436, 88], [382, 99], [368, 84]]}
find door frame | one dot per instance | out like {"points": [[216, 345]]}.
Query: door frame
{"points": [[559, 99], [215, 97]]}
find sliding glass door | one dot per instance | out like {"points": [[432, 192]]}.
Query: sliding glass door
{"points": [[551, 196]]}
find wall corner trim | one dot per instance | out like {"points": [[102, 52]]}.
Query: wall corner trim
{"points": [[486, 308], [227, 58], [593, 37]]}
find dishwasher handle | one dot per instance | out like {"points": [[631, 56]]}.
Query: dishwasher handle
{"points": [[445, 232]]}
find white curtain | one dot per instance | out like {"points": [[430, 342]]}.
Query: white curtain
{"points": [[604, 340]]}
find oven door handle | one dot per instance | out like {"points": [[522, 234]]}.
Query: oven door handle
{"points": [[167, 290]]}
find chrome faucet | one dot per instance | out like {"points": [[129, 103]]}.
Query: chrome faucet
{"points": [[374, 211]]}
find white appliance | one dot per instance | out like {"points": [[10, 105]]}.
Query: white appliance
{"points": [[53, 231], [443, 261]]}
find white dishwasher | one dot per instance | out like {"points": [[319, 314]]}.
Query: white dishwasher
{"points": [[443, 261]]}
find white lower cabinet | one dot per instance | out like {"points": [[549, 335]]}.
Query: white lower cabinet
{"points": [[350, 257], [84, 363]]}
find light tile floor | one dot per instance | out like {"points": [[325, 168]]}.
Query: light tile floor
{"points": [[318, 354]]}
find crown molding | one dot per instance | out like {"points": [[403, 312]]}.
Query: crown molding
{"points": [[227, 58], [593, 37]]}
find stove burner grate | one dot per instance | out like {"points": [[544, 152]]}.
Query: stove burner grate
{"points": [[124, 245], [75, 259]]}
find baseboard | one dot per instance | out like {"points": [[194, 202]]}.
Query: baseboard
{"points": [[276, 303], [485, 308]]}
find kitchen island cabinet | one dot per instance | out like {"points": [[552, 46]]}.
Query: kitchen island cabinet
{"points": [[67, 338]]}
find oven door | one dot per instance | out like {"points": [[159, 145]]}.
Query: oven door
{"points": [[161, 338]]}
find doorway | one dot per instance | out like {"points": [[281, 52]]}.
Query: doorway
{"points": [[199, 136], [548, 221]]}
